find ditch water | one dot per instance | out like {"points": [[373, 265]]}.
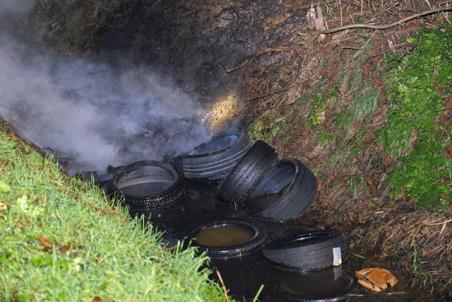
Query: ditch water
{"points": [[245, 276], [223, 236]]}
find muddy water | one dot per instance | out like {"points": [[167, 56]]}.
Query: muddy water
{"points": [[223, 236]]}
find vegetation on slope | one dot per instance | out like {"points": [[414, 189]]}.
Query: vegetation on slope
{"points": [[61, 240], [415, 84]]}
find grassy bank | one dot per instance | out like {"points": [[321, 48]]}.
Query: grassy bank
{"points": [[61, 240], [374, 124]]}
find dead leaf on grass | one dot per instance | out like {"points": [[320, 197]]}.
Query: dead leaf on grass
{"points": [[371, 185], [449, 151], [64, 248], [45, 243], [376, 279], [315, 20], [97, 299], [3, 207]]}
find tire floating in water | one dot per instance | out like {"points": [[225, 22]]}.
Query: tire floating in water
{"points": [[308, 251], [327, 285], [229, 238], [149, 185]]}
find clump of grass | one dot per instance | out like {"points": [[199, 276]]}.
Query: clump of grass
{"points": [[412, 134], [61, 240]]}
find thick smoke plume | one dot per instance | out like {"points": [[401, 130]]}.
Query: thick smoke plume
{"points": [[92, 114]]}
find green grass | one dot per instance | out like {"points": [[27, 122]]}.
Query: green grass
{"points": [[61, 240], [412, 134]]}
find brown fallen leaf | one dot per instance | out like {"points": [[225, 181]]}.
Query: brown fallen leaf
{"points": [[45, 243], [371, 185], [3, 207], [376, 279], [97, 299], [64, 248]]}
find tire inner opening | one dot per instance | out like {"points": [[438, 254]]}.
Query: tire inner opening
{"points": [[271, 188], [146, 181], [216, 144], [224, 235]]}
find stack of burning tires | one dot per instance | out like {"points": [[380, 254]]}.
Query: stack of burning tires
{"points": [[256, 202]]}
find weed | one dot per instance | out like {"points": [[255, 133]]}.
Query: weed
{"points": [[366, 103]]}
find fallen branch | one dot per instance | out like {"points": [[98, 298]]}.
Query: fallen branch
{"points": [[386, 26]]}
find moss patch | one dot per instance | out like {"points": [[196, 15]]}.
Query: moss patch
{"points": [[412, 134]]}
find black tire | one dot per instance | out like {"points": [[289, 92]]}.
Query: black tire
{"points": [[327, 285], [214, 160], [257, 240], [253, 165], [309, 251], [284, 193], [165, 186]]}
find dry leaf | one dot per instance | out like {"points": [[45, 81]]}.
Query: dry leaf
{"points": [[320, 22], [64, 248], [311, 17], [449, 151], [315, 19], [376, 279], [97, 299], [371, 185], [3, 207], [45, 243]]}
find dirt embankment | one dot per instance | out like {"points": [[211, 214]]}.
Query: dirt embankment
{"points": [[320, 99]]}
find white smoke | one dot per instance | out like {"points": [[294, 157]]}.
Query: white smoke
{"points": [[16, 6], [91, 113]]}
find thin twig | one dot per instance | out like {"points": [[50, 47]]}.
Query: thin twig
{"points": [[438, 223], [386, 26]]}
